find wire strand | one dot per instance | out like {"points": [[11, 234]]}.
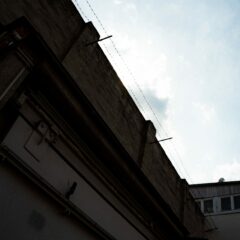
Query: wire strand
{"points": [[138, 87], [80, 10], [140, 91]]}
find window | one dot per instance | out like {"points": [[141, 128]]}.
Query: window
{"points": [[226, 204], [208, 206], [236, 200]]}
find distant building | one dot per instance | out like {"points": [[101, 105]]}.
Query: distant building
{"points": [[220, 203], [78, 160]]}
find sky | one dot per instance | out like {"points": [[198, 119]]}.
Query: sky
{"points": [[183, 56]]}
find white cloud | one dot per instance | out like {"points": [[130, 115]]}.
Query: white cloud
{"points": [[152, 74], [207, 112], [132, 13], [117, 2], [131, 6], [229, 171]]}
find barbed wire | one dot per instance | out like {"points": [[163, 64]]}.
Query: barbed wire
{"points": [[141, 93]]}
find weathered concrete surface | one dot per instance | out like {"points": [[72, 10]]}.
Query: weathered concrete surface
{"points": [[30, 214], [160, 171], [66, 34], [95, 76], [97, 79], [88, 65], [56, 20], [12, 69]]}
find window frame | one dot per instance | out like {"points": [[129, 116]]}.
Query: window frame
{"points": [[208, 212], [233, 202], [230, 201]]}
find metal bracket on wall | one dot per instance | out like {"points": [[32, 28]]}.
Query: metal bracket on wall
{"points": [[49, 133], [71, 190], [99, 40], [161, 140]]}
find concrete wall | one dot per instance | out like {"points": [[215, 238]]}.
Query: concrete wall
{"points": [[87, 65], [56, 20], [215, 189], [95, 76], [63, 29], [227, 227], [100, 83], [30, 214], [48, 160]]}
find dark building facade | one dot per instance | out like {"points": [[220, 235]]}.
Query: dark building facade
{"points": [[220, 203], [76, 153]]}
